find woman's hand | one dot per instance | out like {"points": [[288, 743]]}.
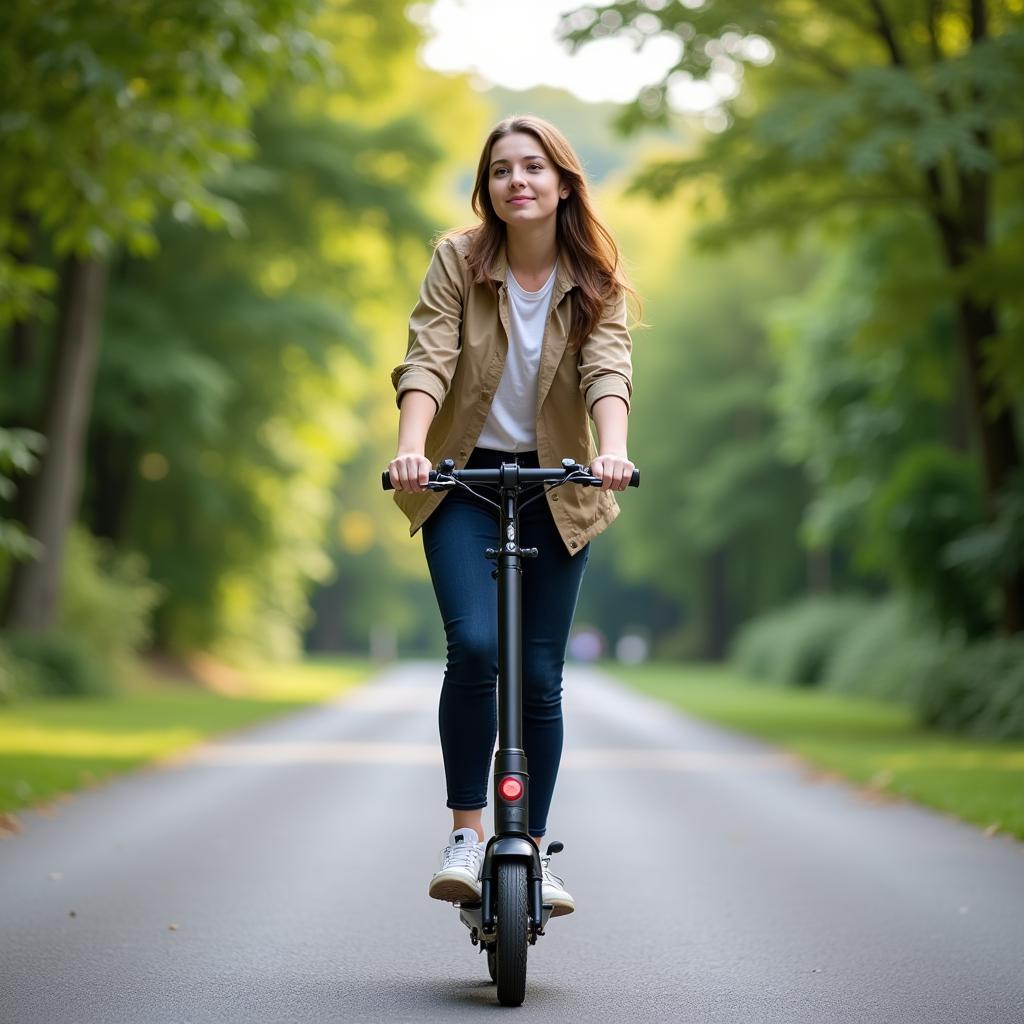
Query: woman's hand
{"points": [[615, 471], [408, 471]]}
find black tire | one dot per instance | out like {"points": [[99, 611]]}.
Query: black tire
{"points": [[512, 913], [492, 961]]}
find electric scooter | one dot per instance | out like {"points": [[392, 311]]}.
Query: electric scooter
{"points": [[510, 914]]}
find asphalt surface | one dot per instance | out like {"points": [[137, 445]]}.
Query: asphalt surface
{"points": [[280, 875]]}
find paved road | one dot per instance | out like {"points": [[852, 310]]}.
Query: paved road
{"points": [[716, 882]]}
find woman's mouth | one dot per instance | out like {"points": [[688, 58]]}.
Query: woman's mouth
{"points": [[521, 200]]}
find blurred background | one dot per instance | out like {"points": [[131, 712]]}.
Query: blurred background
{"points": [[214, 221]]}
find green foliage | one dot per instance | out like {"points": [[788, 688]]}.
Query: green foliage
{"points": [[237, 367], [61, 665], [932, 499], [115, 113], [866, 372], [230, 375], [883, 653], [840, 110], [18, 678], [794, 646], [892, 131], [717, 531], [19, 455], [996, 547], [978, 689], [106, 608], [106, 601]]}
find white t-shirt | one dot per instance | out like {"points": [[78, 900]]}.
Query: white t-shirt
{"points": [[511, 424]]}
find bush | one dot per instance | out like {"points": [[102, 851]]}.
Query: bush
{"points": [[917, 526], [58, 665], [794, 646], [978, 689], [17, 677], [106, 606], [884, 652], [106, 600], [753, 650]]}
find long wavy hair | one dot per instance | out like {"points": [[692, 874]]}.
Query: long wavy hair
{"points": [[583, 241]]}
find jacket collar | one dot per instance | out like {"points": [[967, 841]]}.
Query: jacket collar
{"points": [[564, 279]]}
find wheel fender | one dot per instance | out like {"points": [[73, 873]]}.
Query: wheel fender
{"points": [[514, 847]]}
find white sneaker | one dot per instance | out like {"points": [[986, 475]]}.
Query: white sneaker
{"points": [[458, 880], [553, 891]]}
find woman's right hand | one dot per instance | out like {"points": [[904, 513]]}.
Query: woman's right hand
{"points": [[408, 471]]}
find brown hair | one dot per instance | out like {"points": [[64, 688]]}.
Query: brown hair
{"points": [[583, 241]]}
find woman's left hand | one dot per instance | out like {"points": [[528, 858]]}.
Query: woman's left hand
{"points": [[615, 471]]}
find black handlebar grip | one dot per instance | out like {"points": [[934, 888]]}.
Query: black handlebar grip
{"points": [[634, 480], [385, 479]]}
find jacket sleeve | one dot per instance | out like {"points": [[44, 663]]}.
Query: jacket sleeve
{"points": [[434, 330], [605, 364]]}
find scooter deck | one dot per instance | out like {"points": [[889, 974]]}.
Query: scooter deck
{"points": [[471, 915]]}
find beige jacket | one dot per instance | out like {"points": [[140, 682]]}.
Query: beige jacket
{"points": [[458, 339]]}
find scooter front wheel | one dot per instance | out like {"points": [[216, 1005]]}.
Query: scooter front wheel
{"points": [[512, 913]]}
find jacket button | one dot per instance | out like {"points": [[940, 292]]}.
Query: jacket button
{"points": [[572, 543], [554, 497]]}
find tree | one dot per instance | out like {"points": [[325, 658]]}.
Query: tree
{"points": [[869, 107], [232, 434], [113, 113], [19, 451]]}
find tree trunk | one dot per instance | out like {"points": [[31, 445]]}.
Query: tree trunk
{"points": [[819, 570], [326, 633], [999, 448], [962, 236], [24, 351], [24, 344], [997, 434], [110, 473], [717, 608], [53, 494]]}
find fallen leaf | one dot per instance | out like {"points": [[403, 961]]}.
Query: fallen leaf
{"points": [[9, 825]]}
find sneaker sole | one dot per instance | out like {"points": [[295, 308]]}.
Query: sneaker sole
{"points": [[453, 890], [561, 909]]}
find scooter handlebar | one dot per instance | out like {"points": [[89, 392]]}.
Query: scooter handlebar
{"points": [[528, 475]]}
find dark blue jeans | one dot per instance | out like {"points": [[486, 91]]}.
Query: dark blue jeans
{"points": [[455, 537]]}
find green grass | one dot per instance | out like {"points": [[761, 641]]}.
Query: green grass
{"points": [[862, 740], [55, 746]]}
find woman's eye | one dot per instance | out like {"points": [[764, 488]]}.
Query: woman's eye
{"points": [[499, 171]]}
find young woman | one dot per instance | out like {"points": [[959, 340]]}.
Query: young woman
{"points": [[519, 334]]}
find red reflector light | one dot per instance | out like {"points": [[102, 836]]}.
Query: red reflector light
{"points": [[510, 788]]}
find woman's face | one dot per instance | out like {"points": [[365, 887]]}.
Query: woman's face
{"points": [[524, 184]]}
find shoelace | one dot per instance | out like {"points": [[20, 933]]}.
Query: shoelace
{"points": [[462, 855], [549, 875]]}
